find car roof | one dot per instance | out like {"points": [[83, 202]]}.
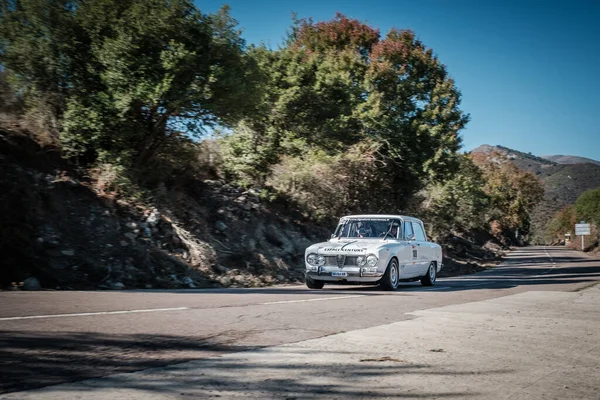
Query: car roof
{"points": [[401, 217]]}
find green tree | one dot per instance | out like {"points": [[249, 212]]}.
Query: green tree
{"points": [[513, 194], [43, 49], [588, 206], [124, 76], [563, 222], [457, 205], [336, 84]]}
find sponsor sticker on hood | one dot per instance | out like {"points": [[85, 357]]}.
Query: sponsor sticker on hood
{"points": [[351, 247]]}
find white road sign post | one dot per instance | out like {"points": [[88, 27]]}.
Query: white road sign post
{"points": [[582, 230]]}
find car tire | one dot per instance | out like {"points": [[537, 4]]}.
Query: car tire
{"points": [[313, 283], [391, 278], [430, 276]]}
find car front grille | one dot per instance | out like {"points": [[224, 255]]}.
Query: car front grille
{"points": [[331, 261]]}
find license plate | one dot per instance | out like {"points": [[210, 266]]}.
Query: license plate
{"points": [[339, 273]]}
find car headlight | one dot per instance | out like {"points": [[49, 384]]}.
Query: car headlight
{"points": [[315, 259], [361, 260], [372, 260]]}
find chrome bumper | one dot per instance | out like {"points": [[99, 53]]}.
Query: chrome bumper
{"points": [[353, 274]]}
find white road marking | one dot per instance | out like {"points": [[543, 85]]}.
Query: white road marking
{"points": [[93, 313], [307, 300], [554, 265]]}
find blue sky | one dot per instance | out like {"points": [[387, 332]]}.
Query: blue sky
{"points": [[529, 71]]}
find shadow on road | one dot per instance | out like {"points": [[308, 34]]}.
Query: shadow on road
{"points": [[35, 359], [31, 360]]}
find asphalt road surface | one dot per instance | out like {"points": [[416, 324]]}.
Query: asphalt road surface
{"points": [[52, 337]]}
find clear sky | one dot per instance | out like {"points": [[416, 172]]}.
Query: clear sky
{"points": [[529, 71]]}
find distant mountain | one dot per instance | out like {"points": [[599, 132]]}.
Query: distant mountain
{"points": [[564, 178], [561, 159]]}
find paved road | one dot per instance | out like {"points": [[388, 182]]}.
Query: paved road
{"points": [[53, 337]]}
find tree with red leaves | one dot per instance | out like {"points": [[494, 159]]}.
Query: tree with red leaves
{"points": [[338, 83]]}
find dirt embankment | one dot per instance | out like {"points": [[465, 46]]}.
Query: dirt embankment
{"points": [[58, 227]]}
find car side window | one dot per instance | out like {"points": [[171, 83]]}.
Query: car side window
{"points": [[419, 232], [408, 231]]}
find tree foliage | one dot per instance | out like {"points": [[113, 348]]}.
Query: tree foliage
{"points": [[588, 206], [123, 76], [513, 194], [340, 119], [563, 222], [458, 205], [337, 84]]}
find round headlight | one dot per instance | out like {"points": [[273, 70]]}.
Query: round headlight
{"points": [[312, 259], [320, 260], [361, 260], [372, 260]]}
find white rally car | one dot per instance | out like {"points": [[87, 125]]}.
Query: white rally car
{"points": [[374, 249]]}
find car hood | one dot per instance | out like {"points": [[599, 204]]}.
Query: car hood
{"points": [[349, 247]]}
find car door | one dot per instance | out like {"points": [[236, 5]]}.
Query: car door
{"points": [[411, 252], [423, 249]]}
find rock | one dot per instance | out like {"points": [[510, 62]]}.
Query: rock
{"points": [[68, 252], [189, 282], [220, 226], [174, 279], [123, 243], [225, 281], [241, 199], [40, 240], [280, 278], [148, 286], [31, 284], [117, 286], [131, 225], [222, 269], [210, 182], [153, 218], [130, 236]]}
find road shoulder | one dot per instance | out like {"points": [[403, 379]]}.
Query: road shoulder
{"points": [[527, 345]]}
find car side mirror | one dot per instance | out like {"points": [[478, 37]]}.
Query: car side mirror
{"points": [[413, 237], [332, 235]]}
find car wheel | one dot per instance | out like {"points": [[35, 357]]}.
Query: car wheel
{"points": [[391, 277], [429, 278], [313, 283]]}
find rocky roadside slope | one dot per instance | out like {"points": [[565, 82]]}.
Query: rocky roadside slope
{"points": [[61, 230]]}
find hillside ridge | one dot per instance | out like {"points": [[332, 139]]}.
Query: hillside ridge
{"points": [[563, 177]]}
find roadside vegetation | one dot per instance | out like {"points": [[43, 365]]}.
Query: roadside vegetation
{"points": [[159, 105], [586, 209]]}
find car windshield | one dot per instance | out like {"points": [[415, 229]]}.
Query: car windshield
{"points": [[367, 228]]}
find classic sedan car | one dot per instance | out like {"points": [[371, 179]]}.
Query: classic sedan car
{"points": [[374, 249]]}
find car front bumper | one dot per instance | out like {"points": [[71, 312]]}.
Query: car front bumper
{"points": [[350, 274]]}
